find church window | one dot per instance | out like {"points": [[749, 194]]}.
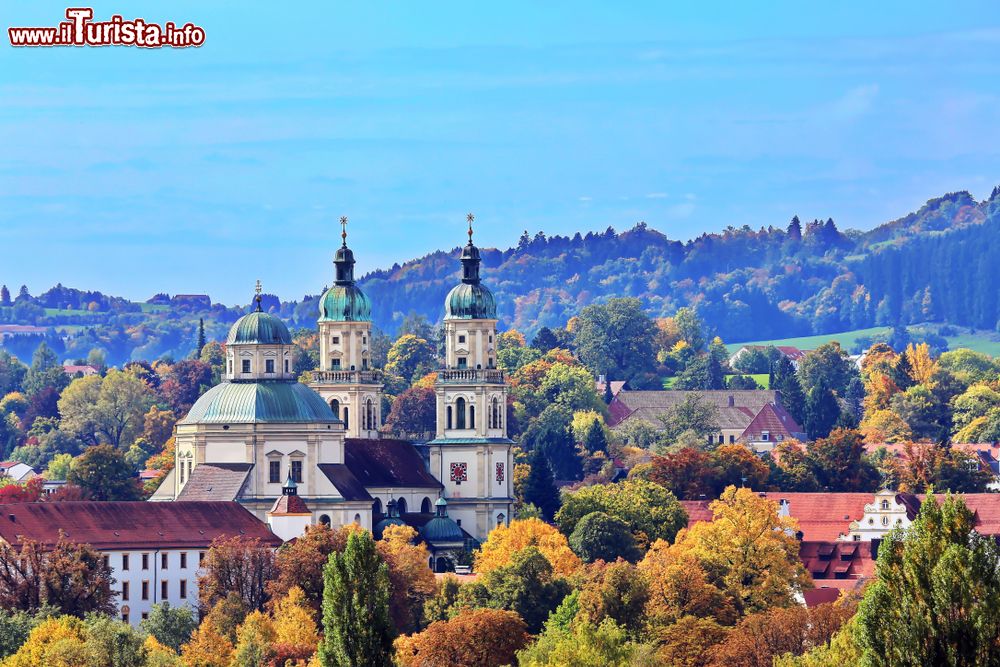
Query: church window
{"points": [[357, 519], [449, 416], [370, 414], [425, 506], [364, 340], [346, 418], [459, 472], [491, 362], [401, 505], [269, 366], [364, 363], [460, 416], [335, 364], [500, 473], [335, 406], [472, 416], [246, 365], [324, 519], [336, 340], [501, 519], [885, 504], [190, 468], [286, 365], [461, 339], [463, 362], [377, 506], [274, 472], [297, 471], [229, 365]]}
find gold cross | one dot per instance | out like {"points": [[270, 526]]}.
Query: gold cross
{"points": [[258, 288], [470, 218]]}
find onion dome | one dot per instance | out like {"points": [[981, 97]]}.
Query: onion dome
{"points": [[470, 300], [391, 520], [273, 401], [259, 328], [344, 302], [442, 529]]}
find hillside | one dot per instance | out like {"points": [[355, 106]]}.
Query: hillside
{"points": [[800, 279]]}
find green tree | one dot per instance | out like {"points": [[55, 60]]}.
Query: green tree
{"points": [[172, 626], [104, 474], [356, 623], [821, 412], [544, 340], [785, 380], [45, 371], [596, 440], [828, 366], [936, 595], [552, 434], [59, 467], [111, 409], [650, 511], [12, 373], [616, 338], [539, 488], [200, 344], [15, 626], [691, 328], [840, 464], [599, 536], [691, 414], [110, 642]]}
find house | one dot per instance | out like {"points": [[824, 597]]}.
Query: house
{"points": [[793, 354], [840, 533], [985, 454], [616, 386], [84, 371], [15, 330], [17, 471], [754, 417], [194, 300], [154, 550]]}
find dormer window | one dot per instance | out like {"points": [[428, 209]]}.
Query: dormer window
{"points": [[246, 365], [765, 435], [269, 365]]}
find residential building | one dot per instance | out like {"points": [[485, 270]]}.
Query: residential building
{"points": [[17, 471], [793, 354]]}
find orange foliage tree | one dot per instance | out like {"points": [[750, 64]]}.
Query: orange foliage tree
{"points": [[473, 638], [505, 541], [411, 579]]}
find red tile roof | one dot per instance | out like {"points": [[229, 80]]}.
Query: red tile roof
{"points": [[110, 526], [289, 505]]}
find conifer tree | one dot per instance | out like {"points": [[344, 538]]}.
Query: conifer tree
{"points": [[785, 380], [596, 440], [356, 624], [795, 229], [540, 488], [201, 338], [4, 296], [821, 412]]}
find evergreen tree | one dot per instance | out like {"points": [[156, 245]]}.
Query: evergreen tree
{"points": [[357, 629], [936, 596], [4, 296], [544, 340], [201, 338], [795, 229], [608, 395], [785, 380], [596, 440], [821, 412], [539, 488], [45, 371], [22, 294]]}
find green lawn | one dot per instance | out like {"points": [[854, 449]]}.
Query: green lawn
{"points": [[56, 312], [154, 307], [982, 341]]}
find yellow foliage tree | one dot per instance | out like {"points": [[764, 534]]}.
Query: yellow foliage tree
{"points": [[412, 581], [582, 420], [254, 640], [208, 647], [293, 620], [748, 551], [56, 642], [158, 655], [679, 586], [505, 541], [885, 426], [922, 366]]}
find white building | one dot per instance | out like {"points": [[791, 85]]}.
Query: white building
{"points": [[154, 550], [19, 472]]}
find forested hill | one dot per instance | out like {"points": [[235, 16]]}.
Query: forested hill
{"points": [[935, 264]]}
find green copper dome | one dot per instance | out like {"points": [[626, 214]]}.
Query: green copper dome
{"points": [[259, 328], [345, 303], [270, 401], [470, 302], [442, 529]]}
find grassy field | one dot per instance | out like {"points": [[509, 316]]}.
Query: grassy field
{"points": [[981, 341], [154, 307], [56, 312]]}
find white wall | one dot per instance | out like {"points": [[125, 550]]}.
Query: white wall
{"points": [[155, 575]]}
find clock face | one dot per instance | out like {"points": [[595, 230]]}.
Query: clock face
{"points": [[500, 475], [459, 472]]}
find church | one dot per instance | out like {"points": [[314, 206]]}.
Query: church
{"points": [[296, 455]]}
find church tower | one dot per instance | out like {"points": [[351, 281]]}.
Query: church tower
{"points": [[345, 379], [471, 454]]}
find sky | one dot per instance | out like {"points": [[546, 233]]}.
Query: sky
{"points": [[201, 170]]}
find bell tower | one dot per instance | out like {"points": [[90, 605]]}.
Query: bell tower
{"points": [[346, 379], [471, 454]]}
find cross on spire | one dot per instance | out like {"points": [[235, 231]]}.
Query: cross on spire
{"points": [[343, 229], [257, 298], [470, 218]]}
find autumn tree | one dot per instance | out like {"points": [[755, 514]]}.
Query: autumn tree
{"points": [[55, 642], [689, 641], [748, 551], [689, 473], [300, 563], [356, 623], [840, 464], [504, 543], [208, 647], [69, 577], [413, 411], [254, 640], [473, 638], [410, 357], [411, 581], [295, 633], [183, 382], [109, 409], [679, 587], [583, 644], [935, 599], [236, 564], [616, 590], [438, 607], [172, 626]]}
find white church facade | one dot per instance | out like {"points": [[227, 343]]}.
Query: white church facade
{"points": [[259, 429]]}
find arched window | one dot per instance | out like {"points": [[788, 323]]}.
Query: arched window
{"points": [[494, 413], [460, 417], [346, 423], [472, 416], [357, 519], [449, 416], [369, 414], [425, 506], [324, 519], [501, 520], [377, 506], [401, 505], [335, 406]]}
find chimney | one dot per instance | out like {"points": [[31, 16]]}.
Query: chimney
{"points": [[732, 400]]}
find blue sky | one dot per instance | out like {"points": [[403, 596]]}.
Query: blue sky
{"points": [[200, 170]]}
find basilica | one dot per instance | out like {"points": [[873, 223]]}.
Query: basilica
{"points": [[297, 454]]}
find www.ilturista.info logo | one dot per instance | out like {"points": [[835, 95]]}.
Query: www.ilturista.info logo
{"points": [[79, 30]]}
